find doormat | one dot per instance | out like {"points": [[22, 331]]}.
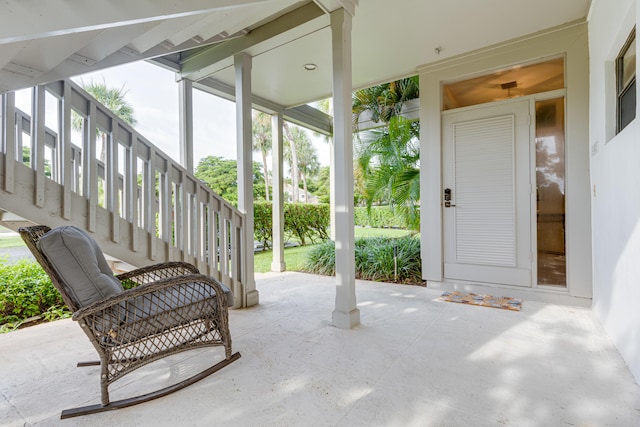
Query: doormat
{"points": [[505, 303]]}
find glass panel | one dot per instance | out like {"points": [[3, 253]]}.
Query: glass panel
{"points": [[550, 183], [627, 106], [626, 74], [628, 64], [521, 80]]}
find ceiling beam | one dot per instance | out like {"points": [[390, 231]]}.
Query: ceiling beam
{"points": [[90, 15], [310, 118], [206, 61], [122, 56], [331, 5], [303, 115]]}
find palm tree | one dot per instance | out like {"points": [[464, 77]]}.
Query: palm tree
{"points": [[112, 98], [308, 163], [388, 157], [292, 157], [262, 143], [302, 156], [389, 160], [384, 101]]}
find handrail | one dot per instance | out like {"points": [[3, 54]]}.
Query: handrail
{"points": [[103, 176]]}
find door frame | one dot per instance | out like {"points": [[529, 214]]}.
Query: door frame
{"points": [[522, 272], [572, 41]]}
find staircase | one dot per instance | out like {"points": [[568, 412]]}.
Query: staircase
{"points": [[71, 161]]}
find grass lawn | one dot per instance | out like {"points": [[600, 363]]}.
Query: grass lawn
{"points": [[10, 241], [380, 232], [295, 257]]}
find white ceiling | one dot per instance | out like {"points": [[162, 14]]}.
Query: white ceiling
{"points": [[41, 41]]}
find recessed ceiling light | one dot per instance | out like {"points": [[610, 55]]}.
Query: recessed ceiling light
{"points": [[310, 67]]}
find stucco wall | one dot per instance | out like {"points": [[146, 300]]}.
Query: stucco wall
{"points": [[615, 181], [570, 41]]}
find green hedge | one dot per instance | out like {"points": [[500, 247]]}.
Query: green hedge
{"points": [[303, 222], [26, 291], [374, 259], [381, 217], [262, 220]]}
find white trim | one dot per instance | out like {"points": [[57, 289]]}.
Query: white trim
{"points": [[547, 295], [246, 296], [346, 314], [277, 195], [185, 111], [569, 40]]}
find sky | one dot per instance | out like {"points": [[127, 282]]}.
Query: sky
{"points": [[153, 93]]}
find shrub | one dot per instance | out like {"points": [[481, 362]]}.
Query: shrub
{"points": [[378, 217], [262, 220], [322, 259], [26, 291], [306, 221], [374, 258], [302, 221]]}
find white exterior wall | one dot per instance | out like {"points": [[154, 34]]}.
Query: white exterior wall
{"points": [[615, 176], [573, 43]]}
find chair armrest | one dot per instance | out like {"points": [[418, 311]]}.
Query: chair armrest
{"points": [[156, 272], [115, 302]]}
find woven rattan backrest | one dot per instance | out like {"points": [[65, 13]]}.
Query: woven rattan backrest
{"points": [[31, 236]]}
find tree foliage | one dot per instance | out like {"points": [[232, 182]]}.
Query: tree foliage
{"points": [[262, 138], [302, 156], [291, 155], [384, 101], [320, 184], [387, 168], [113, 98], [299, 152], [307, 157], [389, 159], [221, 175], [302, 222]]}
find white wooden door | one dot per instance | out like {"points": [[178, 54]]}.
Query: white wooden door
{"points": [[486, 167]]}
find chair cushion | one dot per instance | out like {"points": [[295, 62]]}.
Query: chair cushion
{"points": [[154, 313], [80, 264]]}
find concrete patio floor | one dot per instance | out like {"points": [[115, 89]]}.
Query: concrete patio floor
{"points": [[414, 361]]}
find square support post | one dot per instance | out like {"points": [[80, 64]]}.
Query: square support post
{"points": [[332, 187], [346, 314], [185, 99], [247, 296], [278, 263]]}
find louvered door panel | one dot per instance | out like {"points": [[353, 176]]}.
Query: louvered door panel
{"points": [[485, 224]]}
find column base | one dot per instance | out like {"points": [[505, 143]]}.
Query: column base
{"points": [[278, 267], [345, 320], [251, 298]]}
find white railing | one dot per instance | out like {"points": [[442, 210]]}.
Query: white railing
{"points": [[72, 161]]}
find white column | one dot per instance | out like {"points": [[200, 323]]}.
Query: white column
{"points": [[346, 314], [247, 296], [431, 181], [277, 263], [332, 190], [185, 98]]}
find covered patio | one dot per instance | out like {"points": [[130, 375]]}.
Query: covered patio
{"points": [[413, 360]]}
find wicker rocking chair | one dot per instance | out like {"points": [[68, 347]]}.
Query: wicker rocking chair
{"points": [[170, 308]]}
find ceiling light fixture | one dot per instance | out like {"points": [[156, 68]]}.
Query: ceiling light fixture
{"points": [[508, 86], [310, 67]]}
